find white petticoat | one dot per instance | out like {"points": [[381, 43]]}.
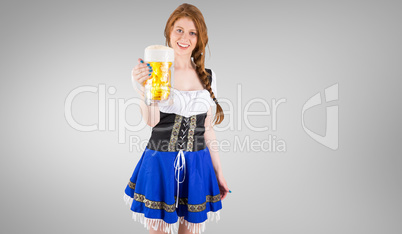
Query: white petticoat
{"points": [[170, 227]]}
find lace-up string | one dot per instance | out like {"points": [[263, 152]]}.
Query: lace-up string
{"points": [[177, 168]]}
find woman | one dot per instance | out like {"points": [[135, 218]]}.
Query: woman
{"points": [[178, 182]]}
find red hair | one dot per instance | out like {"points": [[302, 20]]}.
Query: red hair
{"points": [[198, 54]]}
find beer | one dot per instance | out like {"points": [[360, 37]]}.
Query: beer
{"points": [[157, 87]]}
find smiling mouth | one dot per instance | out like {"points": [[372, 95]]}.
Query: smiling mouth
{"points": [[182, 45]]}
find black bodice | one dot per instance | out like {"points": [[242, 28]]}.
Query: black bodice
{"points": [[175, 132]]}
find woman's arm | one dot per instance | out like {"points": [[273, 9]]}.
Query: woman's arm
{"points": [[150, 114], [140, 73], [212, 144]]}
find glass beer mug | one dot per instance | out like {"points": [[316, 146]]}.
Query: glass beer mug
{"points": [[157, 87]]}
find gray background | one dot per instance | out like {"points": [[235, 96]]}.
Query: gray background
{"points": [[56, 179]]}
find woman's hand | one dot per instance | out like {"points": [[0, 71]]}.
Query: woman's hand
{"points": [[140, 73], [223, 187]]}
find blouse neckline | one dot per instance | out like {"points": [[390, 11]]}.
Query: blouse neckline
{"points": [[199, 90]]}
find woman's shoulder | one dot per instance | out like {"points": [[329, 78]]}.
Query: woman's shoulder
{"points": [[211, 74], [212, 80]]}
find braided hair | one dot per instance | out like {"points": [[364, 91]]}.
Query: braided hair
{"points": [[198, 54]]}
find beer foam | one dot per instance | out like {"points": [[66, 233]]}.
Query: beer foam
{"points": [[158, 53]]}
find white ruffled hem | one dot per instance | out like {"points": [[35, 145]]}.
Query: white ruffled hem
{"points": [[171, 227]]}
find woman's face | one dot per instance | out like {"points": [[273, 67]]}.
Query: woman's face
{"points": [[183, 37]]}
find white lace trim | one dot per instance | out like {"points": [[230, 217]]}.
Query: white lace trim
{"points": [[170, 227]]}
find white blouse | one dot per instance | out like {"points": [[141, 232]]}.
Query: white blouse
{"points": [[188, 103]]}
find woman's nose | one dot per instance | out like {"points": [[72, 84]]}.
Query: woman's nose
{"points": [[184, 36]]}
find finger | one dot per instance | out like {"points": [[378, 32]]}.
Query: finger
{"points": [[144, 78], [148, 69], [138, 69], [144, 70], [134, 73], [145, 73], [224, 196], [141, 74], [143, 63]]}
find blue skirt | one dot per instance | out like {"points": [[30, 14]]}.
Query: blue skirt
{"points": [[159, 177]]}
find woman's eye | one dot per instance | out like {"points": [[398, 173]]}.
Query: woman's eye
{"points": [[179, 30], [193, 33]]}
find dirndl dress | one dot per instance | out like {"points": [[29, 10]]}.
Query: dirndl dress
{"points": [[174, 180]]}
